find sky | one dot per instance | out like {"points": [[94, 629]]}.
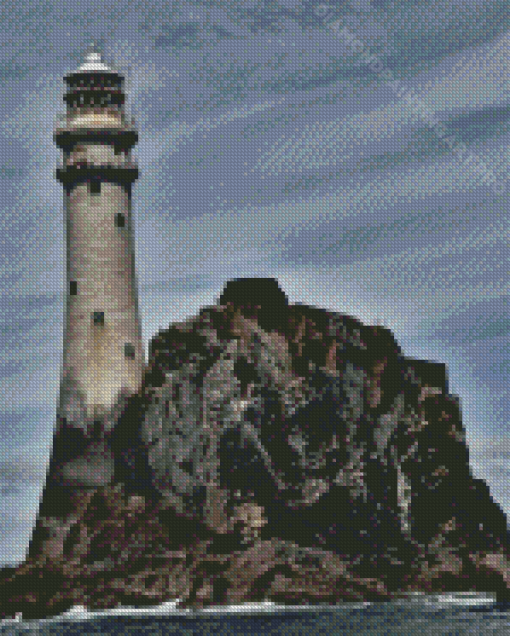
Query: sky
{"points": [[356, 150]]}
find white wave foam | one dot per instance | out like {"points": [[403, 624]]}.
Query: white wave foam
{"points": [[79, 612], [170, 608], [465, 598], [448, 598]]}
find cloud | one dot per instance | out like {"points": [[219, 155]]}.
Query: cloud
{"points": [[155, 145], [24, 470], [429, 31], [386, 137], [181, 35], [462, 97]]}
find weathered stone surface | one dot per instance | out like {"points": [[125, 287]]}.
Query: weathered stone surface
{"points": [[274, 451]]}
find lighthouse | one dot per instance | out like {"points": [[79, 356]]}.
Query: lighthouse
{"points": [[103, 353], [103, 358]]}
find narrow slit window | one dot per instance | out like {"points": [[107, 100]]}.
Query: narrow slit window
{"points": [[98, 318], [129, 351], [73, 287], [120, 220], [95, 187]]}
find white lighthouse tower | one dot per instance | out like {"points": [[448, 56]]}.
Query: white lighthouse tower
{"points": [[103, 352], [103, 357]]}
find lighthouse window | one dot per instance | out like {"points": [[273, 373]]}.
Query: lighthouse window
{"points": [[120, 220], [73, 287], [129, 351], [95, 187], [98, 318]]}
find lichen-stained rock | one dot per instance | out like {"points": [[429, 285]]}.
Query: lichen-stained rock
{"points": [[274, 451]]}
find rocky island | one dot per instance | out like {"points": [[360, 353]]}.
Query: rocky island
{"points": [[276, 452]]}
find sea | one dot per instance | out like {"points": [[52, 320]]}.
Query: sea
{"points": [[415, 614]]}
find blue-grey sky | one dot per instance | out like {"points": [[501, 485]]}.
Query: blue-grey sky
{"points": [[271, 143]]}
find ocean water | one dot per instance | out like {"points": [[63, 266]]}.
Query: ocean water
{"points": [[454, 613]]}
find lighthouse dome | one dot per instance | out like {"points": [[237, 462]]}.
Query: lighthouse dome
{"points": [[93, 63]]}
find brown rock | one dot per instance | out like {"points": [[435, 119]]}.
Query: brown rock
{"points": [[275, 451]]}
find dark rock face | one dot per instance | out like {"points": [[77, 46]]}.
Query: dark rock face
{"points": [[275, 451]]}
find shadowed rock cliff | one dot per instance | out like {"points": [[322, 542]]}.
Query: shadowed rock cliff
{"points": [[275, 451]]}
